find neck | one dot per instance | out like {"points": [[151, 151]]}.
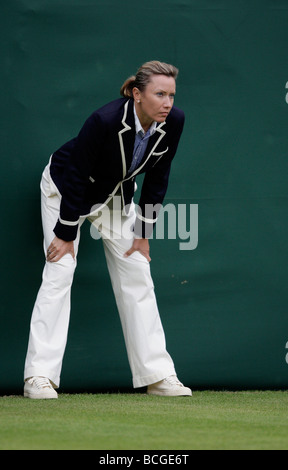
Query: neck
{"points": [[146, 125], [145, 121]]}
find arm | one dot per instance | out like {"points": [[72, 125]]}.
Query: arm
{"points": [[155, 184], [153, 193], [76, 176]]}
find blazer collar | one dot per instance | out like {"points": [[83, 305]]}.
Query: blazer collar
{"points": [[127, 138]]}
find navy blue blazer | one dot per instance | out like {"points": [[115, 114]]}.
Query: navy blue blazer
{"points": [[90, 169]]}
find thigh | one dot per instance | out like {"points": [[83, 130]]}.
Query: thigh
{"points": [[115, 229], [50, 211]]}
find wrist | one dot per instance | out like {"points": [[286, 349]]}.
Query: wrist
{"points": [[136, 237]]}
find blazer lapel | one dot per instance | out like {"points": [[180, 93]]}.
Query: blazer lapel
{"points": [[153, 143], [126, 140], [127, 136]]}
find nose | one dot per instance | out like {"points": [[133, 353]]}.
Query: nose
{"points": [[168, 102]]}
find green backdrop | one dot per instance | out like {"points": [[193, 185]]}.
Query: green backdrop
{"points": [[224, 304]]}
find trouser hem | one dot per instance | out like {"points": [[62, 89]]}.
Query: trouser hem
{"points": [[139, 382], [40, 372]]}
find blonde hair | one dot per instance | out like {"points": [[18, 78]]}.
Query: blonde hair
{"points": [[144, 74]]}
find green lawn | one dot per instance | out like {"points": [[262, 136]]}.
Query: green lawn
{"points": [[209, 420]]}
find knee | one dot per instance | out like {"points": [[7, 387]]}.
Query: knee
{"points": [[61, 273]]}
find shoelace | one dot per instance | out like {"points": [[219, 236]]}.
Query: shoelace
{"points": [[41, 382], [173, 380]]}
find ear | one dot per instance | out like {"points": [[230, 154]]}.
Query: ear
{"points": [[136, 94]]}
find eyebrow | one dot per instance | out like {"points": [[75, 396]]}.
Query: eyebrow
{"points": [[163, 91]]}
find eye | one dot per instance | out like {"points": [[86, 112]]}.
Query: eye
{"points": [[159, 93]]}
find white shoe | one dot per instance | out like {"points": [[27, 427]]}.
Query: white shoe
{"points": [[169, 387], [39, 388]]}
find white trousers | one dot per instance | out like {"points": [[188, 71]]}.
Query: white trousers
{"points": [[134, 292]]}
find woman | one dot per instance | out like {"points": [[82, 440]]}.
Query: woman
{"points": [[138, 133]]}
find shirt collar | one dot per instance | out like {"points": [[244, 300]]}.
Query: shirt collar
{"points": [[140, 128]]}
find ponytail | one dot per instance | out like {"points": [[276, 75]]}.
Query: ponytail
{"points": [[127, 87]]}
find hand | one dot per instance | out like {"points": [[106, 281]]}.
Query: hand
{"points": [[58, 249], [141, 245]]}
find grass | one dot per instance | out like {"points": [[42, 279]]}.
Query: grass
{"points": [[208, 421]]}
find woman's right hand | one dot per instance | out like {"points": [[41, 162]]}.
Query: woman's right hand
{"points": [[58, 248]]}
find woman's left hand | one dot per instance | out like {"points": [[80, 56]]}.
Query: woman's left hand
{"points": [[141, 245]]}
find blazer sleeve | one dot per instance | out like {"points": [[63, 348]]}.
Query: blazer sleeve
{"points": [[76, 176], [155, 183]]}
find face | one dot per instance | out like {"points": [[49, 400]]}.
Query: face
{"points": [[156, 101]]}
